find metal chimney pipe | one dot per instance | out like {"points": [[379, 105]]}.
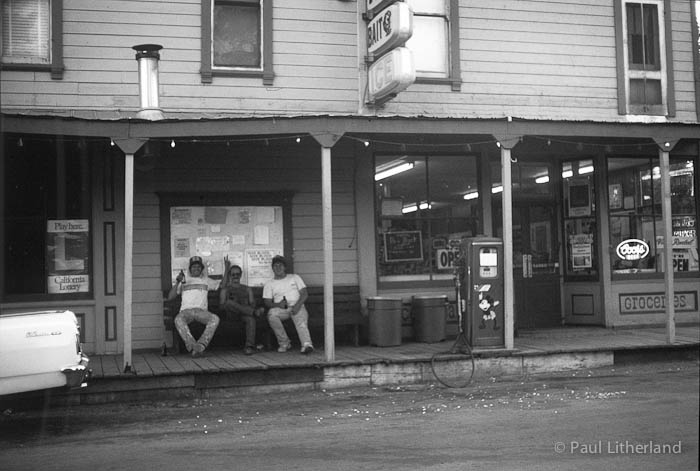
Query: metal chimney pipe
{"points": [[147, 57]]}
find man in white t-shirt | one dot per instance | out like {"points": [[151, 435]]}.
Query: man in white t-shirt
{"points": [[285, 295], [194, 289]]}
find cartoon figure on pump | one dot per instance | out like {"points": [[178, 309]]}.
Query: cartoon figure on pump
{"points": [[487, 305]]}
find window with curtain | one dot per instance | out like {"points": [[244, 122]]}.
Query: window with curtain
{"points": [[32, 36], [237, 35], [26, 31], [237, 39]]}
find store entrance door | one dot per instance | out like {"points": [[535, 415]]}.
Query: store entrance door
{"points": [[536, 265], [536, 246]]}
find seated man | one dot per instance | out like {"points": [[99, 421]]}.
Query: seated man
{"points": [[194, 307], [237, 300], [285, 296]]}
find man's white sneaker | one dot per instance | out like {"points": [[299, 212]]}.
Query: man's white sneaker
{"points": [[284, 348]]}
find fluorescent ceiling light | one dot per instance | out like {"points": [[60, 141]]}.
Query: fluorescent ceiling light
{"points": [[497, 189], [424, 205], [393, 171], [542, 179], [471, 195], [585, 166], [410, 209], [567, 174]]}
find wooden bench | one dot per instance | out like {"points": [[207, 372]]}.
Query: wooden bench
{"points": [[346, 310]]}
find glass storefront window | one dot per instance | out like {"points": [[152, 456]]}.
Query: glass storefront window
{"points": [[46, 223], [636, 225], [425, 206], [579, 219]]}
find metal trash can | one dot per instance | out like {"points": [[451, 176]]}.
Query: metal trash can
{"points": [[384, 321], [429, 318]]}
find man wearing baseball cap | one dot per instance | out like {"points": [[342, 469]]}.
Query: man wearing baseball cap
{"points": [[194, 290], [285, 296]]}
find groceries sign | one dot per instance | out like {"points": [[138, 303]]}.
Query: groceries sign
{"points": [[393, 70]]}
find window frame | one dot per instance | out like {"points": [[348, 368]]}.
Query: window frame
{"points": [[209, 71], [432, 278], [68, 149], [655, 214], [55, 64], [454, 73], [625, 73]]}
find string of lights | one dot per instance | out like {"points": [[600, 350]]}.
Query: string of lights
{"points": [[364, 140]]}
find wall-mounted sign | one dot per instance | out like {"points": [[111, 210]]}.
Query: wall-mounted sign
{"points": [[581, 256], [68, 256], [392, 27], [403, 246], [445, 258], [376, 5], [391, 74], [650, 303], [632, 249]]}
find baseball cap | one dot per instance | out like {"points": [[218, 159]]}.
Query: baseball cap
{"points": [[196, 259]]}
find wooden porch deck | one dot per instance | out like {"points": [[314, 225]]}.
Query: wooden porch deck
{"points": [[528, 343]]}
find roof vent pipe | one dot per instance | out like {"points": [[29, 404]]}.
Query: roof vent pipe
{"points": [[147, 56]]}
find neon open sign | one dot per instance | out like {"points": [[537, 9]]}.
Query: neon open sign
{"points": [[632, 249]]}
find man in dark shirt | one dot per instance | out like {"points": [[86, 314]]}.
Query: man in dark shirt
{"points": [[237, 300]]}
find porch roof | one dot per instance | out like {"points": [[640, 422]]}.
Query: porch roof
{"points": [[122, 125]]}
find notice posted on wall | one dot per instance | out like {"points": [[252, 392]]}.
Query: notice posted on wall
{"points": [[247, 236], [67, 255]]}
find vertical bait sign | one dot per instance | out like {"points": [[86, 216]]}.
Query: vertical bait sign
{"points": [[390, 28]]}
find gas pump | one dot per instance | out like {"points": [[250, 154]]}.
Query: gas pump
{"points": [[483, 291]]}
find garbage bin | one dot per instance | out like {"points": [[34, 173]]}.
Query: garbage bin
{"points": [[384, 321], [429, 318]]}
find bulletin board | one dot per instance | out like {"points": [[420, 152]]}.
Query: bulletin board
{"points": [[248, 235]]}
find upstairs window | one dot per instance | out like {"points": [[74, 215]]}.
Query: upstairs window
{"points": [[435, 41], [31, 35], [237, 39], [645, 85]]}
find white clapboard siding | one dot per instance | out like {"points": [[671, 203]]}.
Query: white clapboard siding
{"points": [[537, 59], [543, 60]]}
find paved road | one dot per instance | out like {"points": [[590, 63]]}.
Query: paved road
{"points": [[640, 417]]}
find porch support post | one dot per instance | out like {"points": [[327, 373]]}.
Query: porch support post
{"points": [[507, 143], [665, 147], [327, 141], [129, 147]]}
